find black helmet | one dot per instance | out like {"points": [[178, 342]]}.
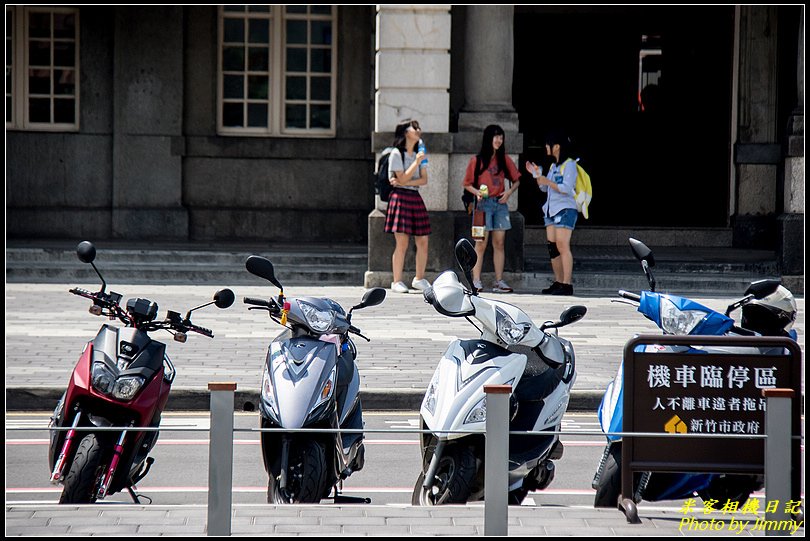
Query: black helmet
{"points": [[772, 315]]}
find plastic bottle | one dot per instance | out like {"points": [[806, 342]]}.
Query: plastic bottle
{"points": [[421, 148], [484, 191]]}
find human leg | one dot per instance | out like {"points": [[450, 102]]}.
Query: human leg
{"points": [[421, 243], [398, 257], [480, 248], [498, 253], [566, 258], [554, 253]]}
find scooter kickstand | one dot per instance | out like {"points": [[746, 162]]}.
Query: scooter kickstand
{"points": [[136, 497], [339, 498]]}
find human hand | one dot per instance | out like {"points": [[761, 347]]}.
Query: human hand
{"points": [[534, 169], [419, 156]]}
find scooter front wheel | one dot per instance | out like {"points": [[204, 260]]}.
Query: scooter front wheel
{"points": [[610, 481], [306, 477], [85, 470], [453, 479]]}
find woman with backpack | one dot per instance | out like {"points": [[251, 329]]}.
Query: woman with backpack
{"points": [[407, 215], [490, 168], [560, 210]]}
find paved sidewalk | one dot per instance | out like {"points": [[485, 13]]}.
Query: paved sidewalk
{"points": [[47, 327], [376, 520]]}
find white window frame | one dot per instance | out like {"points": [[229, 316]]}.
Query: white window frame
{"points": [[19, 68], [276, 100]]}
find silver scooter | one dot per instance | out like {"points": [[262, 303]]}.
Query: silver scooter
{"points": [[310, 380]]}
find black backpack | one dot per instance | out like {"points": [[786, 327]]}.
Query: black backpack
{"points": [[381, 184], [467, 197]]}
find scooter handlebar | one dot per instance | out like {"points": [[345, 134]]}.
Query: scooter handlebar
{"points": [[258, 302], [629, 296]]}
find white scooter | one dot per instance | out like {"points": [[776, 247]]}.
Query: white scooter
{"points": [[512, 350]]}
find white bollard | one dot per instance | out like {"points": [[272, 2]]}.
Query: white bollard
{"points": [[496, 461], [778, 454], [220, 458]]}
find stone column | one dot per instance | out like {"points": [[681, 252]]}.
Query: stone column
{"points": [[758, 155], [148, 121], [489, 47], [791, 222], [412, 80]]}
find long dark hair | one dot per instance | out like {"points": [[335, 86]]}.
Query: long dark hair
{"points": [[485, 156], [557, 137], [399, 134]]}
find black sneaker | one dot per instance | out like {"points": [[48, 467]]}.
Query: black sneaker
{"points": [[564, 289], [551, 289]]}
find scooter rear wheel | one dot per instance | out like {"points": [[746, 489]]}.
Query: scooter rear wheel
{"points": [[454, 479], [306, 476], [82, 478]]}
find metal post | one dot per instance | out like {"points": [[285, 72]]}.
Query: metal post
{"points": [[496, 461], [777, 455], [220, 458]]}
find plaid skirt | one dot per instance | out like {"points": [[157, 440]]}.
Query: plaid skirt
{"points": [[407, 213]]}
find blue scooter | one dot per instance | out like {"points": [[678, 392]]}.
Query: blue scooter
{"points": [[681, 316]]}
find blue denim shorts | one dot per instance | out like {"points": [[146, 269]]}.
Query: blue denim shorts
{"points": [[497, 214], [565, 219]]}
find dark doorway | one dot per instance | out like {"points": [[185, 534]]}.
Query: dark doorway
{"points": [[664, 162]]}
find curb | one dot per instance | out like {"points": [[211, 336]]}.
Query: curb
{"points": [[188, 399]]}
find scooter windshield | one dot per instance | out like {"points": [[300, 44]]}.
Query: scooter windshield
{"points": [[681, 316], [448, 296]]}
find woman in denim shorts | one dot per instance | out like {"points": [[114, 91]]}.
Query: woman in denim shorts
{"points": [[490, 168], [560, 211]]}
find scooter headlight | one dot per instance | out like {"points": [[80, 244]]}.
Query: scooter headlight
{"points": [[268, 396], [123, 388], [127, 387], [478, 413], [677, 321], [429, 403], [510, 332], [102, 378], [319, 320]]}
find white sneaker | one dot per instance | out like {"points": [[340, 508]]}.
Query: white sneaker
{"points": [[501, 287], [478, 286], [421, 285], [399, 287]]}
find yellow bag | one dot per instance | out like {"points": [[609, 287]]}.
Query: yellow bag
{"points": [[582, 190]]}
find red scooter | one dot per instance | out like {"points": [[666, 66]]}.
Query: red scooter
{"points": [[122, 379]]}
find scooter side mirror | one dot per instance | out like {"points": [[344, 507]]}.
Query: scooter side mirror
{"points": [[223, 298], [568, 316], [642, 252], [466, 258], [465, 255], [762, 288], [372, 297], [86, 251], [572, 314], [261, 267]]}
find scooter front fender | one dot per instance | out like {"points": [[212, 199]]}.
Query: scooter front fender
{"points": [[610, 410]]}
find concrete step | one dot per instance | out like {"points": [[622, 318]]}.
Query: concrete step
{"points": [[598, 269], [190, 263], [585, 235], [611, 259]]}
